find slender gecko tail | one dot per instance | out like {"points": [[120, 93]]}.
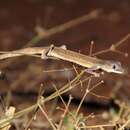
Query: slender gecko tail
{"points": [[6, 55]]}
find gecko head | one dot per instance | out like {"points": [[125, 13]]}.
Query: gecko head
{"points": [[114, 67]]}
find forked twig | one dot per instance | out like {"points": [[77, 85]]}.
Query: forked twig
{"points": [[114, 47]]}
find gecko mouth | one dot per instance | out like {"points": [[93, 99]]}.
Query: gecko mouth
{"points": [[120, 71]]}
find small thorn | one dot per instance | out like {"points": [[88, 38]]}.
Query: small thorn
{"points": [[92, 42], [126, 54], [91, 48], [112, 47], [102, 81]]}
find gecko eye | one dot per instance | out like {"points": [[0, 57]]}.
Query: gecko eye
{"points": [[114, 66]]}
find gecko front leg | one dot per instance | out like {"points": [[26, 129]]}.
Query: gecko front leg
{"points": [[91, 71]]}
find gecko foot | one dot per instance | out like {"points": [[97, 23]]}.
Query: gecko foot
{"points": [[90, 71]]}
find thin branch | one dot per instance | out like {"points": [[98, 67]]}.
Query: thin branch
{"points": [[65, 26]]}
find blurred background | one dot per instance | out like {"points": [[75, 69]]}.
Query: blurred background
{"points": [[22, 22]]}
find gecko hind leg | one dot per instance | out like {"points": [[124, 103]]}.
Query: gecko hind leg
{"points": [[45, 55]]}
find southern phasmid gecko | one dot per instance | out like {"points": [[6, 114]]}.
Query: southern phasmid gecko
{"points": [[91, 63]]}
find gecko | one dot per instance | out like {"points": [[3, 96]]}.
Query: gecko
{"points": [[91, 63]]}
